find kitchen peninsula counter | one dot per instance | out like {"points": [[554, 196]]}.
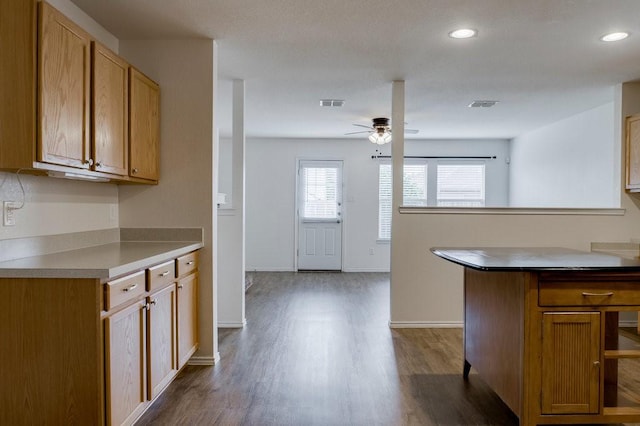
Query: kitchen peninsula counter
{"points": [[541, 328]]}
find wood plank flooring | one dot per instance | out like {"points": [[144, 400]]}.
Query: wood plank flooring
{"points": [[317, 350]]}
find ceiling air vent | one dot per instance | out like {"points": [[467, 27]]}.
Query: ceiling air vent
{"points": [[331, 102], [482, 104]]}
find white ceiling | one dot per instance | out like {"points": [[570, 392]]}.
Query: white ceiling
{"points": [[542, 59]]}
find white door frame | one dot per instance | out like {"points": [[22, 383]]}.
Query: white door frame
{"points": [[297, 207]]}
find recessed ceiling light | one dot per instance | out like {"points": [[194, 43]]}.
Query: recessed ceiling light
{"points": [[463, 33], [614, 36]]}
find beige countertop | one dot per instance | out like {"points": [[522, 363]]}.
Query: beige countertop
{"points": [[100, 262]]}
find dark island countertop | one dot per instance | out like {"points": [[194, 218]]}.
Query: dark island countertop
{"points": [[534, 259]]}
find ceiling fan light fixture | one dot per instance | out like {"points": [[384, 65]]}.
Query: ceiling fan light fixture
{"points": [[380, 137], [463, 33]]}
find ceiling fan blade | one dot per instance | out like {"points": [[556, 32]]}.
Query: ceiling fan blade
{"points": [[362, 125], [411, 131], [355, 133]]}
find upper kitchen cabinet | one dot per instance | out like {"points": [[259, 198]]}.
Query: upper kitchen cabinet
{"points": [[69, 106], [144, 126], [632, 132], [18, 79], [110, 105], [64, 91]]}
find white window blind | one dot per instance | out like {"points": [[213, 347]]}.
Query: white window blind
{"points": [[461, 185], [453, 184], [415, 192], [320, 189]]}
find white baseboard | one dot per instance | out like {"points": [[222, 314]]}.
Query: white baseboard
{"points": [[425, 324], [365, 270], [232, 324], [628, 323], [269, 269], [205, 360]]}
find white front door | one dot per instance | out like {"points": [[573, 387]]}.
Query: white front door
{"points": [[320, 215]]}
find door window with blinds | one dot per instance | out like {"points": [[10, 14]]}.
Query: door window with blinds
{"points": [[321, 186], [431, 183]]}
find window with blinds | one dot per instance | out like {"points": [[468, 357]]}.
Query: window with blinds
{"points": [[320, 192], [454, 184], [460, 185], [415, 192]]}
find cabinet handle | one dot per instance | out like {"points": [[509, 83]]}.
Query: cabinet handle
{"points": [[130, 288], [134, 171], [189, 263], [607, 294], [164, 274]]}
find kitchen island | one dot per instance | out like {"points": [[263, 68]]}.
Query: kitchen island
{"points": [[541, 328], [93, 335]]}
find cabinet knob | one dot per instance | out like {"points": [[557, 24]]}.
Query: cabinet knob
{"points": [[596, 363], [89, 161], [154, 301], [98, 164], [180, 286], [134, 171]]}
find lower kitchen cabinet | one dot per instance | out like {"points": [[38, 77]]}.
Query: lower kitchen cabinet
{"points": [[161, 339], [187, 318], [125, 364], [82, 351]]}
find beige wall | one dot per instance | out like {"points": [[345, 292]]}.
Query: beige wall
{"points": [[57, 206], [427, 291], [185, 70]]}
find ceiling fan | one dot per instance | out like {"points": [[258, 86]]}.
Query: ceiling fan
{"points": [[379, 131]]}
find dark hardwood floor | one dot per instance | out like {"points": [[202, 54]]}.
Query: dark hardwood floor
{"points": [[317, 350]]}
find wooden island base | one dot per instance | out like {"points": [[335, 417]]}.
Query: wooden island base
{"points": [[541, 329]]}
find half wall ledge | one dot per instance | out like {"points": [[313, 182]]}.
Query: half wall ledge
{"points": [[513, 211]]}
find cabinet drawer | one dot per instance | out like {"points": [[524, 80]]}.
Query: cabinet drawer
{"points": [[162, 274], [585, 293], [123, 290], [187, 264]]}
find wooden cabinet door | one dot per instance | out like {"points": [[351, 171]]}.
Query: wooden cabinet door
{"points": [[187, 318], [63, 90], [110, 100], [144, 126], [125, 350], [633, 151], [570, 363], [161, 339]]}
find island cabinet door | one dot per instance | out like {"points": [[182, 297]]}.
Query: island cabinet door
{"points": [[570, 363]]}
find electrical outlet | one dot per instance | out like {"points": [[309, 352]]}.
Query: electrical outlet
{"points": [[8, 213]]}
